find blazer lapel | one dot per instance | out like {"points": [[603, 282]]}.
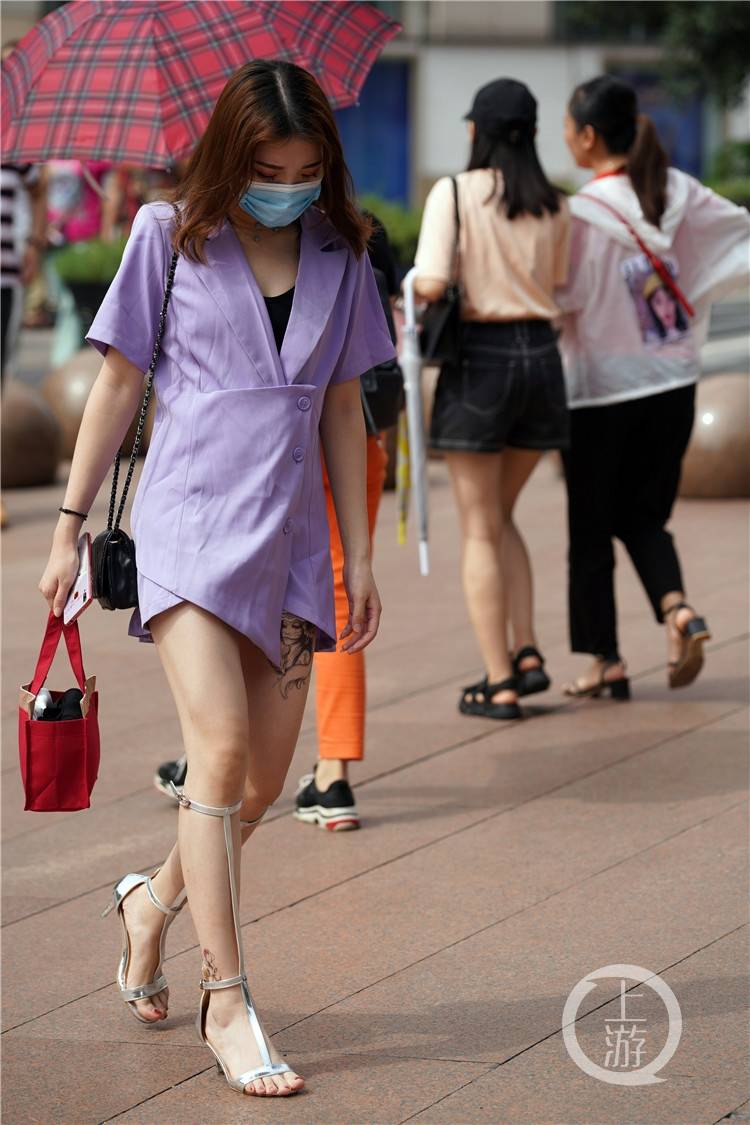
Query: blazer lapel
{"points": [[321, 269], [230, 281]]}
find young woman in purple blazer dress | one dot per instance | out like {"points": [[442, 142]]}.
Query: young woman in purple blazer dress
{"points": [[274, 314]]}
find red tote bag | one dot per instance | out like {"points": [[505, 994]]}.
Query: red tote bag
{"points": [[59, 759]]}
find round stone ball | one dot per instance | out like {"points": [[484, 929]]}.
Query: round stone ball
{"points": [[31, 438], [717, 462], [67, 389]]}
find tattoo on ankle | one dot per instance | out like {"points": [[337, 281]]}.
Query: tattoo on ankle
{"points": [[210, 970], [297, 647]]}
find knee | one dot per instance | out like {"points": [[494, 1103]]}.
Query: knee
{"points": [[219, 765], [483, 527], [259, 794]]}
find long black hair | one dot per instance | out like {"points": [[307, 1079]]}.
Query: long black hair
{"points": [[526, 189], [610, 106]]}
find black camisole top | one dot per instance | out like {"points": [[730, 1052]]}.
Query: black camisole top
{"points": [[279, 311]]}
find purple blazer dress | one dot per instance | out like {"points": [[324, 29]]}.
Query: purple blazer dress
{"points": [[230, 513]]}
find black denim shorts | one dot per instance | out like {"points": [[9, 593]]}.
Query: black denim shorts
{"points": [[508, 391]]}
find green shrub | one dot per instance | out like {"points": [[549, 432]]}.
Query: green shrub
{"points": [[401, 224], [736, 189], [93, 261], [731, 161]]}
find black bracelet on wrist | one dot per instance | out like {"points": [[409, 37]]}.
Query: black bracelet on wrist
{"points": [[72, 512]]}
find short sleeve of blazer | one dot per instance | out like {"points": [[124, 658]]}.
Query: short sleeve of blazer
{"points": [[367, 341], [128, 317]]}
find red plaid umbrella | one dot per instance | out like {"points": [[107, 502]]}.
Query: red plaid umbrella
{"points": [[135, 82]]}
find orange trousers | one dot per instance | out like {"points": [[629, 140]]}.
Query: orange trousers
{"points": [[340, 693]]}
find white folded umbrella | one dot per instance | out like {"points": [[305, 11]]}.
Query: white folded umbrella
{"points": [[410, 359]]}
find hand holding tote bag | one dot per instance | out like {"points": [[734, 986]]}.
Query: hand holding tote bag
{"points": [[59, 758]]}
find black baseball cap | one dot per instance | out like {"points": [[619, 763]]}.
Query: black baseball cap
{"points": [[500, 103]]}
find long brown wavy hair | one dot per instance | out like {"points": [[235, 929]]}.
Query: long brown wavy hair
{"points": [[265, 100]]}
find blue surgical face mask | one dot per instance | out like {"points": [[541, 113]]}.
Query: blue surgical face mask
{"points": [[278, 205]]}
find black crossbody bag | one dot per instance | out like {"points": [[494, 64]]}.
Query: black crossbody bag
{"points": [[115, 577], [440, 338]]}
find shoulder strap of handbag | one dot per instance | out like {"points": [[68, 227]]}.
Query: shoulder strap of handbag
{"points": [[112, 522], [457, 216], [657, 263]]}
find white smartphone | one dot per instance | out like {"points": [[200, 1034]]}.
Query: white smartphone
{"points": [[81, 592]]}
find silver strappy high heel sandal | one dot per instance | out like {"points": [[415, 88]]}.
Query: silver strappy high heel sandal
{"points": [[158, 983], [267, 1067]]}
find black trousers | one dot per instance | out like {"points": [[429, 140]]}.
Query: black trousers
{"points": [[622, 471]]}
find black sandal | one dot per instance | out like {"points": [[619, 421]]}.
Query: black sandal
{"points": [[618, 689], [530, 680], [683, 671], [470, 704]]}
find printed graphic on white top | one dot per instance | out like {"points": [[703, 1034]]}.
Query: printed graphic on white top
{"points": [[661, 318]]}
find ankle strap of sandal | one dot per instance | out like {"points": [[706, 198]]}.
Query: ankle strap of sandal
{"points": [[678, 605], [511, 684], [176, 907], [227, 982], [526, 652]]}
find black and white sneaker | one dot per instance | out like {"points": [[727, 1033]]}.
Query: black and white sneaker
{"points": [[173, 772], [335, 809]]}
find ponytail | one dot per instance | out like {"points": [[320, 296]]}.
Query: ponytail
{"points": [[610, 106], [647, 167]]}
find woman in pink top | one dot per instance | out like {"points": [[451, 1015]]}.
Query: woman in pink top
{"points": [[497, 413], [651, 249]]}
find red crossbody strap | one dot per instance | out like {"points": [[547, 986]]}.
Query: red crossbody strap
{"points": [[653, 258], [55, 628]]}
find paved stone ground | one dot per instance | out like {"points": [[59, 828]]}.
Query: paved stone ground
{"points": [[416, 970]]}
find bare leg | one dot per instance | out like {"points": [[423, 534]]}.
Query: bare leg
{"points": [[476, 479], [329, 770], [240, 721], [143, 920], [518, 465]]}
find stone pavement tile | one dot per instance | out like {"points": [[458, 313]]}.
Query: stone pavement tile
{"points": [[369, 1089], [712, 990], [68, 855], [705, 1079], [539, 1092], [17, 907], [51, 1080], [503, 989], [502, 865], [410, 810]]}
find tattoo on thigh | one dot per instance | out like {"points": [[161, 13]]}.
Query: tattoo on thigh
{"points": [[297, 647], [210, 970]]}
